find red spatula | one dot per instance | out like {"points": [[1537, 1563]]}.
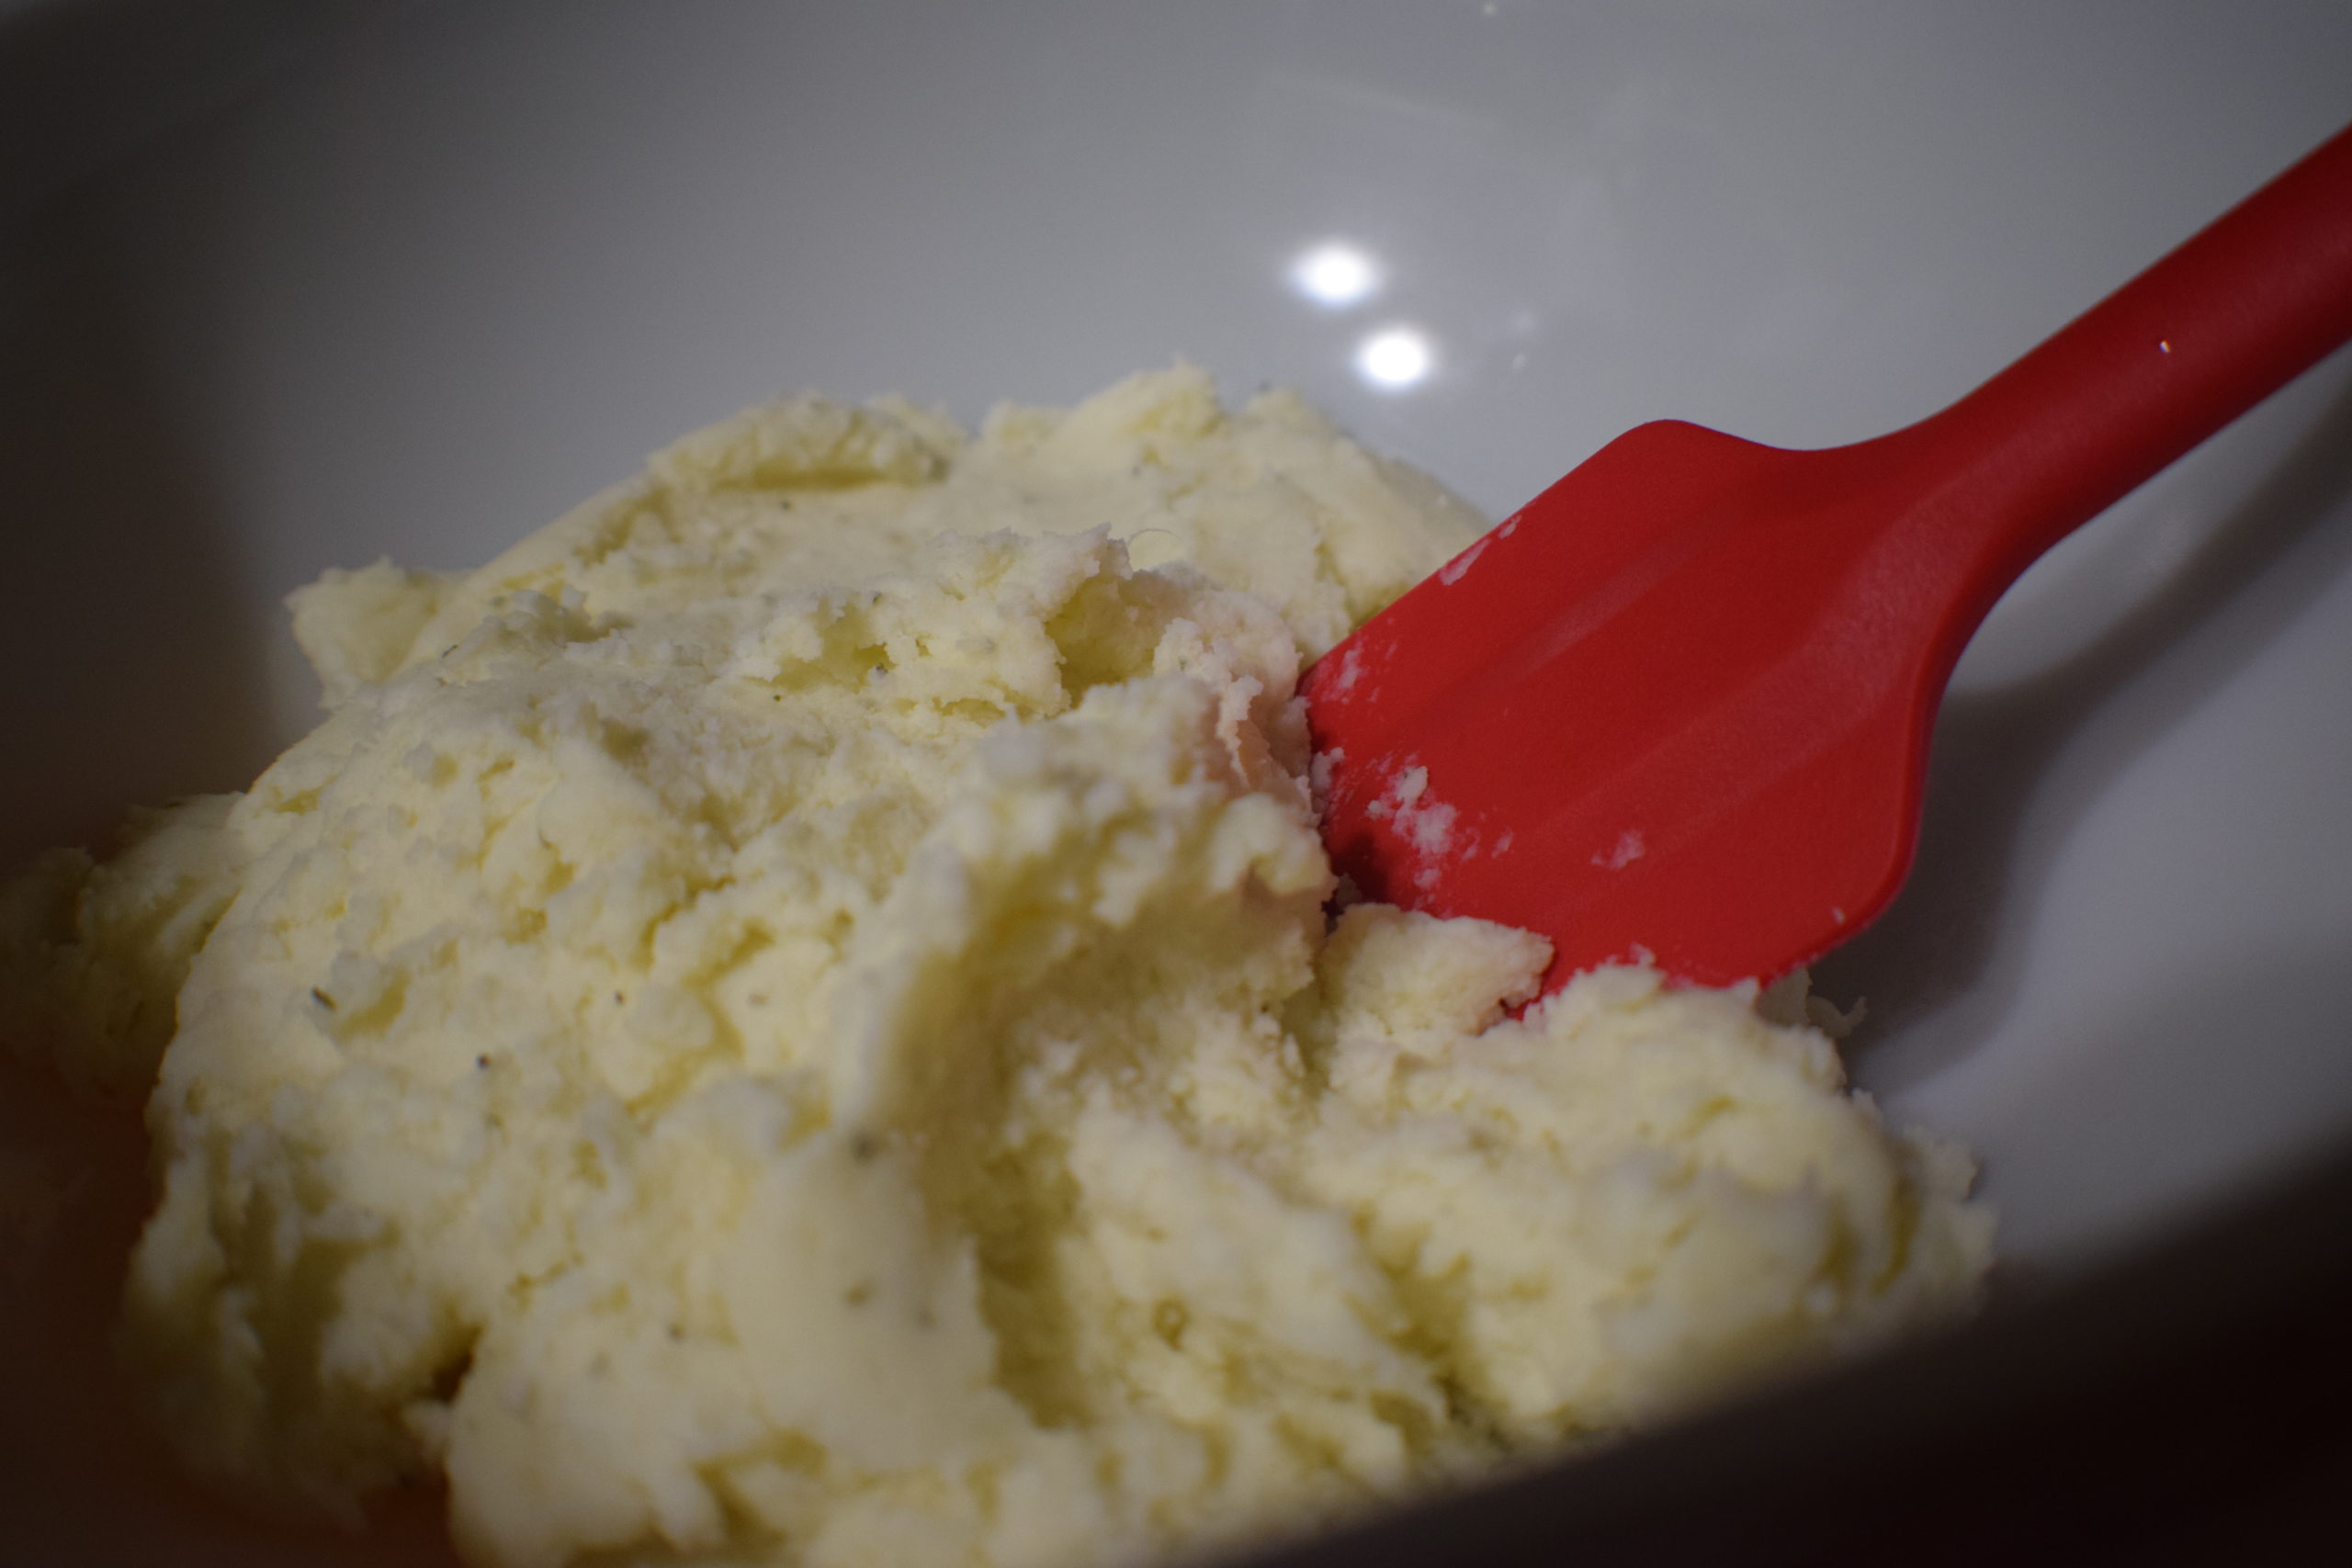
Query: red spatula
{"points": [[1678, 706]]}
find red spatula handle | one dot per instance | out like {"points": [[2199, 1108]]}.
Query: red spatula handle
{"points": [[2146, 374]]}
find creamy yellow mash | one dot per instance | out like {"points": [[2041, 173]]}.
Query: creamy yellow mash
{"points": [[792, 1017]]}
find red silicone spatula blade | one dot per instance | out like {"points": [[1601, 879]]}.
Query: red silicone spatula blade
{"points": [[1640, 775], [1678, 706]]}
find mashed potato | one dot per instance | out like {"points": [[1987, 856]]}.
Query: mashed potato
{"points": [[792, 1017]]}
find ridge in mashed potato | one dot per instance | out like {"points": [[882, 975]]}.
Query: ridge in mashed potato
{"points": [[792, 1016]]}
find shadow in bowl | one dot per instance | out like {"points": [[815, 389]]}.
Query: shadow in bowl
{"points": [[2001, 792], [139, 667], [99, 1485]]}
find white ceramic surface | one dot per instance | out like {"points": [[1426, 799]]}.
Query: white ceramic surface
{"points": [[377, 278]]}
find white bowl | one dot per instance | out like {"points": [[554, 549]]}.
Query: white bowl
{"points": [[290, 287]]}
